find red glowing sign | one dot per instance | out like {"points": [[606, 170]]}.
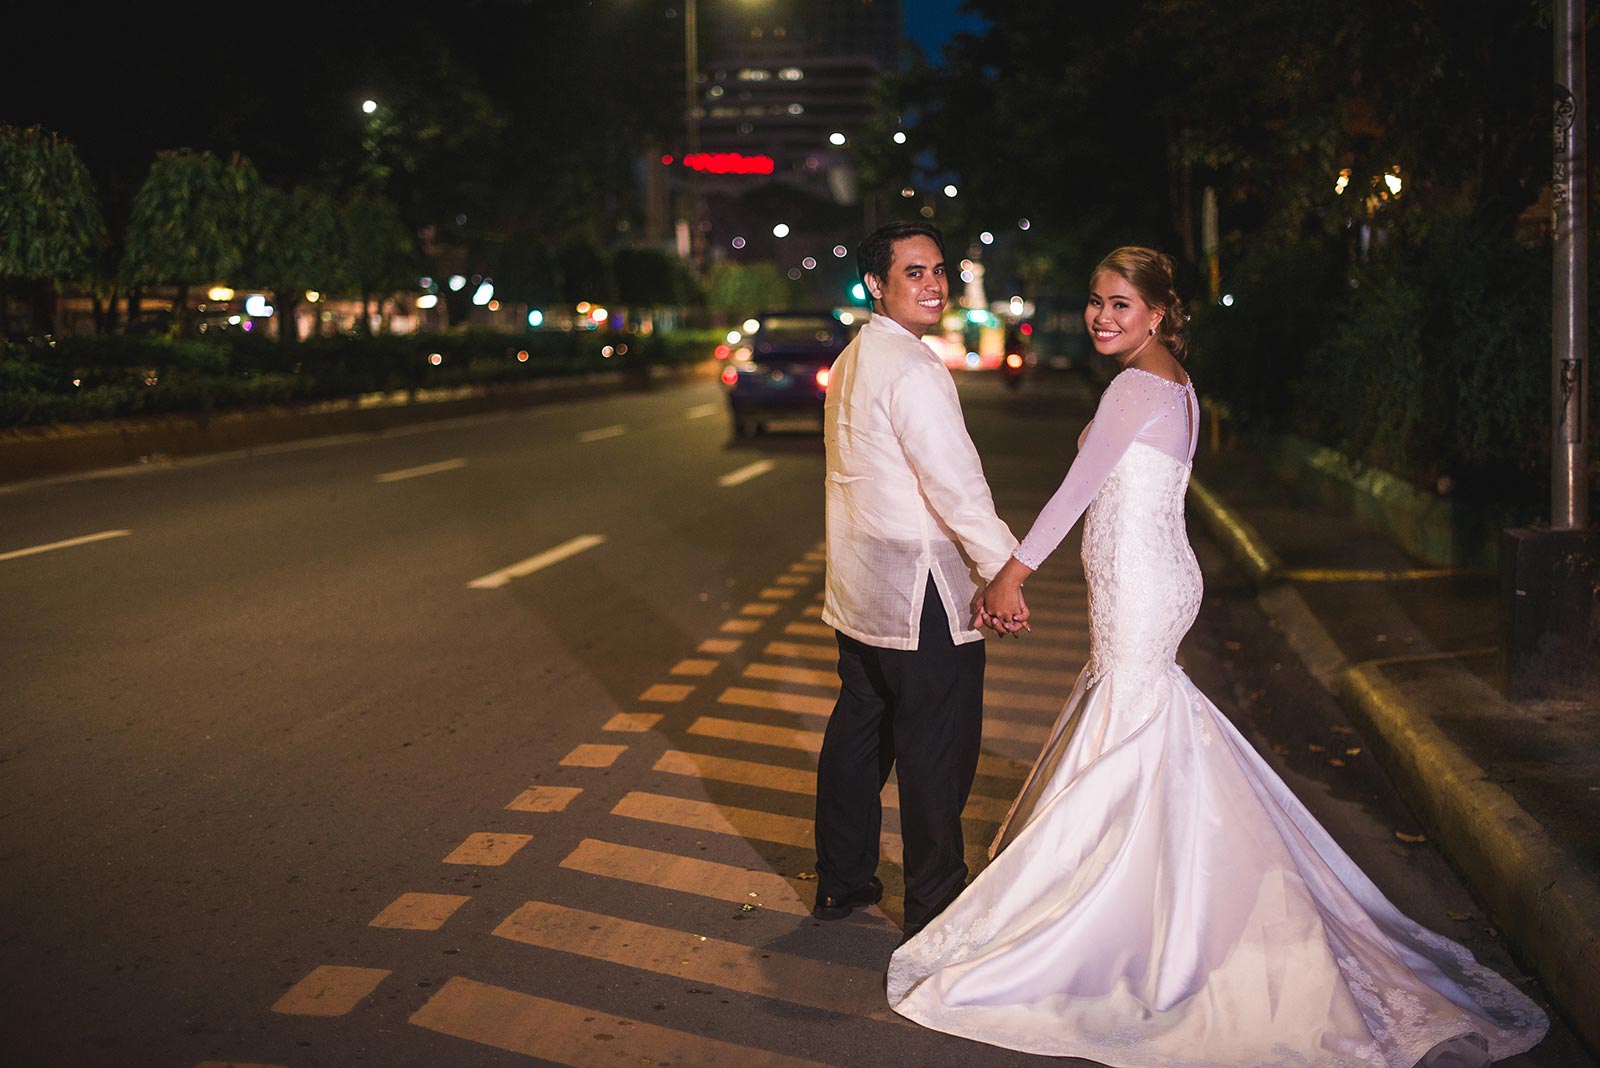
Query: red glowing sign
{"points": [[728, 163]]}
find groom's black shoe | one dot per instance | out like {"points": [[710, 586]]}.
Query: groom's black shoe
{"points": [[837, 908]]}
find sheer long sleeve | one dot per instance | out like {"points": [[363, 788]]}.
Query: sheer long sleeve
{"points": [[1129, 404]]}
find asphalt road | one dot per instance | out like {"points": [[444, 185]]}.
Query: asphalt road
{"points": [[490, 744]]}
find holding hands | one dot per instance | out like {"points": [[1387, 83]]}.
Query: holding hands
{"points": [[1000, 605]]}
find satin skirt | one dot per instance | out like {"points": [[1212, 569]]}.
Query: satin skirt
{"points": [[1160, 899]]}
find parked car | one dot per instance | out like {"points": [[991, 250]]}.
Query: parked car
{"points": [[780, 370]]}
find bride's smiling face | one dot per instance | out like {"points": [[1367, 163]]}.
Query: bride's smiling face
{"points": [[1118, 319]]}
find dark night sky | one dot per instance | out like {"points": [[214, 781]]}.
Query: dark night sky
{"points": [[930, 23]]}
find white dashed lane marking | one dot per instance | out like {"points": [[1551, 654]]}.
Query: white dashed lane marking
{"points": [[418, 472], [67, 544], [746, 473], [495, 579]]}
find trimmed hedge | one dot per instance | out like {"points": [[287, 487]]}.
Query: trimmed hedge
{"points": [[91, 378]]}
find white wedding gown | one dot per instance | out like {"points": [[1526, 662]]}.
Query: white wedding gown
{"points": [[1158, 898]]}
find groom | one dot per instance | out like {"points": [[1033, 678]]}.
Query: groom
{"points": [[912, 537]]}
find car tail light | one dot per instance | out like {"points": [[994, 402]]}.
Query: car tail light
{"points": [[1013, 360], [723, 352], [729, 376], [822, 377]]}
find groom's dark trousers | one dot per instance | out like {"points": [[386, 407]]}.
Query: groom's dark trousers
{"points": [[921, 710]]}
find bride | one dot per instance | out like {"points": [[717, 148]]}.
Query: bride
{"points": [[1157, 897]]}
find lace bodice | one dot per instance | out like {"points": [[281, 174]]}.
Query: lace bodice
{"points": [[1136, 408]]}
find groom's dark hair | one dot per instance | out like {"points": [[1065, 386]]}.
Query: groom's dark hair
{"points": [[876, 254]]}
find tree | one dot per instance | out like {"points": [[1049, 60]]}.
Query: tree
{"points": [[297, 249], [380, 252], [190, 222], [738, 290], [50, 220], [586, 272]]}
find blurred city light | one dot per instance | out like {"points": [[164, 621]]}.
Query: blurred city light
{"points": [[973, 360], [599, 315], [484, 294], [847, 318], [908, 192], [781, 230], [986, 237], [858, 291], [435, 358], [809, 263], [456, 283], [428, 300], [1393, 181], [836, 138], [522, 355], [369, 106], [1227, 300], [1342, 182], [1024, 224], [951, 191], [737, 242], [256, 304], [219, 293], [899, 137], [312, 296], [840, 252], [734, 337], [535, 317], [750, 326], [583, 307]]}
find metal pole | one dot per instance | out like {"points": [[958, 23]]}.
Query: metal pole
{"points": [[691, 101], [1569, 454]]}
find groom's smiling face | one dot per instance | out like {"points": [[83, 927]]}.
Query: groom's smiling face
{"points": [[915, 290]]}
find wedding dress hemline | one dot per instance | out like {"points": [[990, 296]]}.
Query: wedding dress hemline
{"points": [[1158, 898]]}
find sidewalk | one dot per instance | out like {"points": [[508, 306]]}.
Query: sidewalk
{"points": [[1510, 791]]}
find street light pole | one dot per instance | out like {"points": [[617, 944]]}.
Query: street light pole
{"points": [[691, 100], [1569, 482], [1550, 576]]}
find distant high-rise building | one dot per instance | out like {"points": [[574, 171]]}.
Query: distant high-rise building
{"points": [[793, 81]]}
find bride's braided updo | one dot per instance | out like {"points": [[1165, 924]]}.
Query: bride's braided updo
{"points": [[1151, 273]]}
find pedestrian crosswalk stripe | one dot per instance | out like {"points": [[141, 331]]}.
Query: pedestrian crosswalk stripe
{"points": [[567, 1034], [734, 730], [782, 702], [807, 568], [487, 850], [740, 772], [419, 912], [994, 727], [1023, 702], [593, 756], [1036, 651], [809, 630], [824, 654], [812, 742], [715, 818], [632, 722], [759, 608], [720, 646], [330, 990], [667, 692], [694, 667], [741, 626], [795, 780], [799, 676], [796, 980], [1060, 681], [792, 580], [689, 875], [544, 799], [777, 593]]}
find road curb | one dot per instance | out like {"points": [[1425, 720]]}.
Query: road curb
{"points": [[1546, 902], [43, 452], [1247, 546]]}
